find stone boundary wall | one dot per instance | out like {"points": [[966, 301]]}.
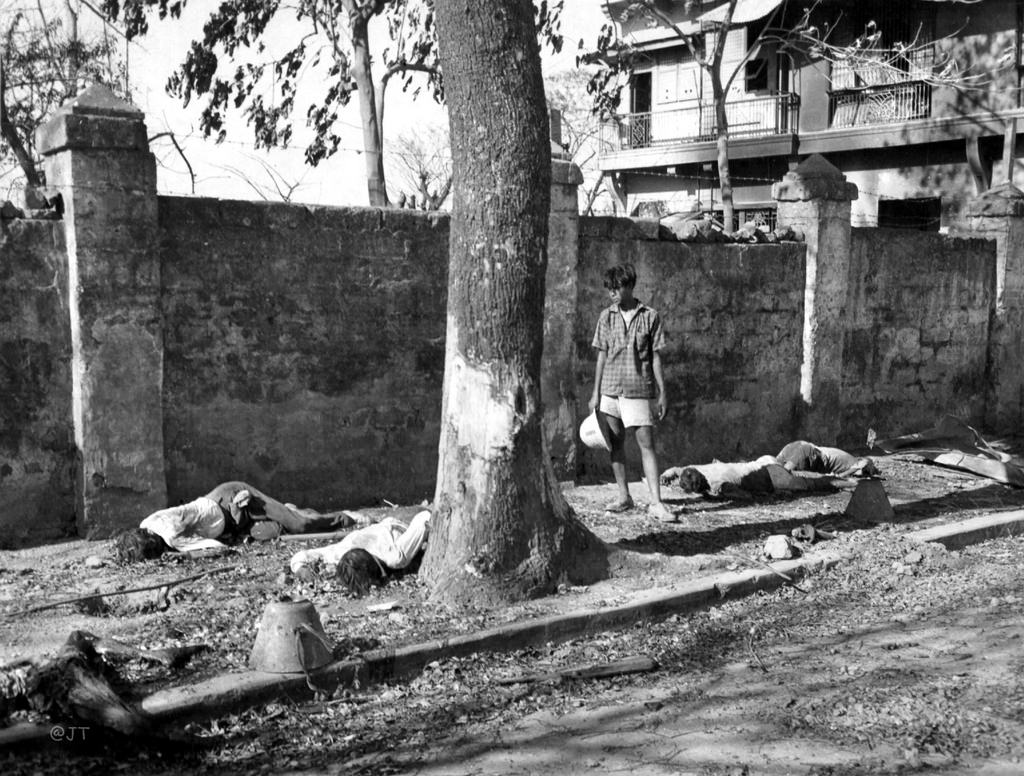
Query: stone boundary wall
{"points": [[733, 316], [917, 331], [151, 347], [304, 349], [37, 446]]}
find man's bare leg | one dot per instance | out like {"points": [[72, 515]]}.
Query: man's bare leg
{"points": [[645, 439], [617, 434]]}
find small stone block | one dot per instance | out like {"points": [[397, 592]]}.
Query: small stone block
{"points": [[869, 503], [9, 210], [35, 198], [44, 215], [565, 173]]}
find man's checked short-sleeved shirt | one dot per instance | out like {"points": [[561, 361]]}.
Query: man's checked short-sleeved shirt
{"points": [[629, 364]]}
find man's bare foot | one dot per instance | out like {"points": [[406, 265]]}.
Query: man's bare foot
{"points": [[622, 505], [662, 512]]}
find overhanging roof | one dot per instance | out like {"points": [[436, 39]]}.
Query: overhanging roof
{"points": [[659, 35], [746, 11]]}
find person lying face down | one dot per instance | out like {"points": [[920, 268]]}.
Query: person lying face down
{"points": [[741, 480], [367, 556], [230, 510], [803, 456]]}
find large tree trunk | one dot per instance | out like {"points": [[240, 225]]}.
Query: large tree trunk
{"points": [[373, 147], [721, 116], [501, 529]]}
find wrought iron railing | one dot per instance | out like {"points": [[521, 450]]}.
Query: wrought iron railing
{"points": [[695, 122], [882, 87], [883, 67], [880, 104]]}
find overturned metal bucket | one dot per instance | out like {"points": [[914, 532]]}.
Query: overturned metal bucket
{"points": [[291, 639]]}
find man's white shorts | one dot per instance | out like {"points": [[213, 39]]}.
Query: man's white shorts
{"points": [[632, 412]]}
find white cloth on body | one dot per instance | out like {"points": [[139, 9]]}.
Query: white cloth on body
{"points": [[188, 527], [389, 541]]}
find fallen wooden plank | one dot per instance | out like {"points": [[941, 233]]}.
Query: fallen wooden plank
{"points": [[630, 665], [26, 734]]}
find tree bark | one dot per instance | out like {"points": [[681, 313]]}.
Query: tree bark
{"points": [[373, 146], [720, 96], [722, 139], [501, 529]]}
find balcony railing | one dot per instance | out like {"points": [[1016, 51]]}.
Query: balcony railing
{"points": [[883, 67], [882, 87], [695, 123], [889, 104]]}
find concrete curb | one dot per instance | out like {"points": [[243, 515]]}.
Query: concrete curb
{"points": [[973, 531], [233, 691], [230, 691]]}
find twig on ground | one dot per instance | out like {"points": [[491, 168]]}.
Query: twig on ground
{"points": [[750, 646], [757, 562], [315, 537], [101, 594]]}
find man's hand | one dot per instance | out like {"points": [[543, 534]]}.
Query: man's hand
{"points": [[662, 405], [595, 402], [670, 476]]}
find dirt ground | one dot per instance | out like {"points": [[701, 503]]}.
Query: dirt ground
{"points": [[898, 661]]}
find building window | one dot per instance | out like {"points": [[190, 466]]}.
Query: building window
{"points": [[889, 82], [756, 75], [923, 213]]}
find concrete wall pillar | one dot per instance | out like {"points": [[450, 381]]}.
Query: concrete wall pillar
{"points": [[998, 215], [558, 370], [97, 156], [814, 199]]}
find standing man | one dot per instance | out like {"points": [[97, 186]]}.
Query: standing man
{"points": [[629, 386]]}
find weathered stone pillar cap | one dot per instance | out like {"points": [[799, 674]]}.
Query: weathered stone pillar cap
{"points": [[1003, 200], [814, 178], [99, 100], [565, 173], [97, 118]]}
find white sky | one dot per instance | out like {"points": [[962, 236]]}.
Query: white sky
{"points": [[336, 181]]}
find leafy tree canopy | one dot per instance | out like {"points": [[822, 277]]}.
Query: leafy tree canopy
{"points": [[43, 64], [239, 64]]}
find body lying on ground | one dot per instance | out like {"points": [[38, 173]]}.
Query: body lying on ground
{"points": [[367, 556], [765, 475], [803, 456], [230, 510]]}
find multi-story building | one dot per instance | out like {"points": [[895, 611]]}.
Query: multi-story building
{"points": [[916, 141]]}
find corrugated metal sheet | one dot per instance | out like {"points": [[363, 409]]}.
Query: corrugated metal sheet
{"points": [[746, 11]]}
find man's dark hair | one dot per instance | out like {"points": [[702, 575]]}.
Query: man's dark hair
{"points": [[358, 571], [692, 481], [620, 276], [137, 544]]}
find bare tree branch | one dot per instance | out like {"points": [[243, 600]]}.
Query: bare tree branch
{"points": [[181, 153], [10, 134]]}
